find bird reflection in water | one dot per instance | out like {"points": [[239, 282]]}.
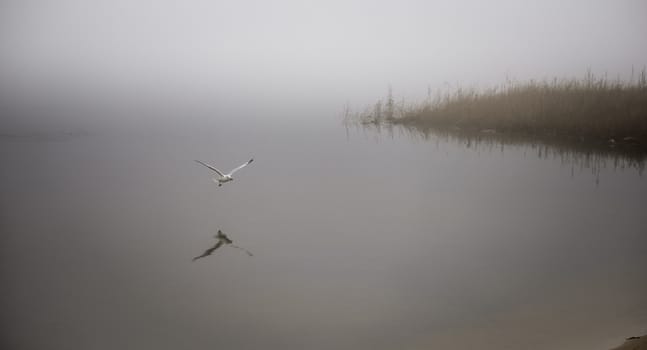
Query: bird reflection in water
{"points": [[222, 240]]}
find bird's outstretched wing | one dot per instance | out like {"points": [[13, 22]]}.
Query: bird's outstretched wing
{"points": [[208, 251], [241, 248], [211, 167], [240, 167]]}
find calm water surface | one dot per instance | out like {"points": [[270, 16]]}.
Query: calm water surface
{"points": [[361, 240]]}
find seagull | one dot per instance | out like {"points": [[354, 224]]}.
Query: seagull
{"points": [[222, 239], [222, 178]]}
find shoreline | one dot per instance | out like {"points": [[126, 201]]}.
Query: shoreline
{"points": [[590, 112], [633, 343]]}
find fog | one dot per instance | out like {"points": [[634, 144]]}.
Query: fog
{"points": [[362, 238], [307, 53]]}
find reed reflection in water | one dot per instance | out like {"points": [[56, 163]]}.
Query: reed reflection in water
{"points": [[576, 153]]}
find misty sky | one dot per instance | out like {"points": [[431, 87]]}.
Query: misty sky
{"points": [[341, 50]]}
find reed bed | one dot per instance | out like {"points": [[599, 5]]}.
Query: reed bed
{"points": [[589, 110]]}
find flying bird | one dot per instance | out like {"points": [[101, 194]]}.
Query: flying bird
{"points": [[222, 177], [222, 239]]}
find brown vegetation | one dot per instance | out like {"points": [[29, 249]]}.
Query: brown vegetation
{"points": [[590, 109]]}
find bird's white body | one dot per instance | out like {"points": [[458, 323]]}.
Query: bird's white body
{"points": [[222, 177]]}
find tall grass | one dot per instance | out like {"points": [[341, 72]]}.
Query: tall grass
{"points": [[592, 108]]}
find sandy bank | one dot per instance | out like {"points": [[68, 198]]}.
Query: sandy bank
{"points": [[633, 343]]}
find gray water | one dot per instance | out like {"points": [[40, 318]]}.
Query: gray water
{"points": [[361, 240]]}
